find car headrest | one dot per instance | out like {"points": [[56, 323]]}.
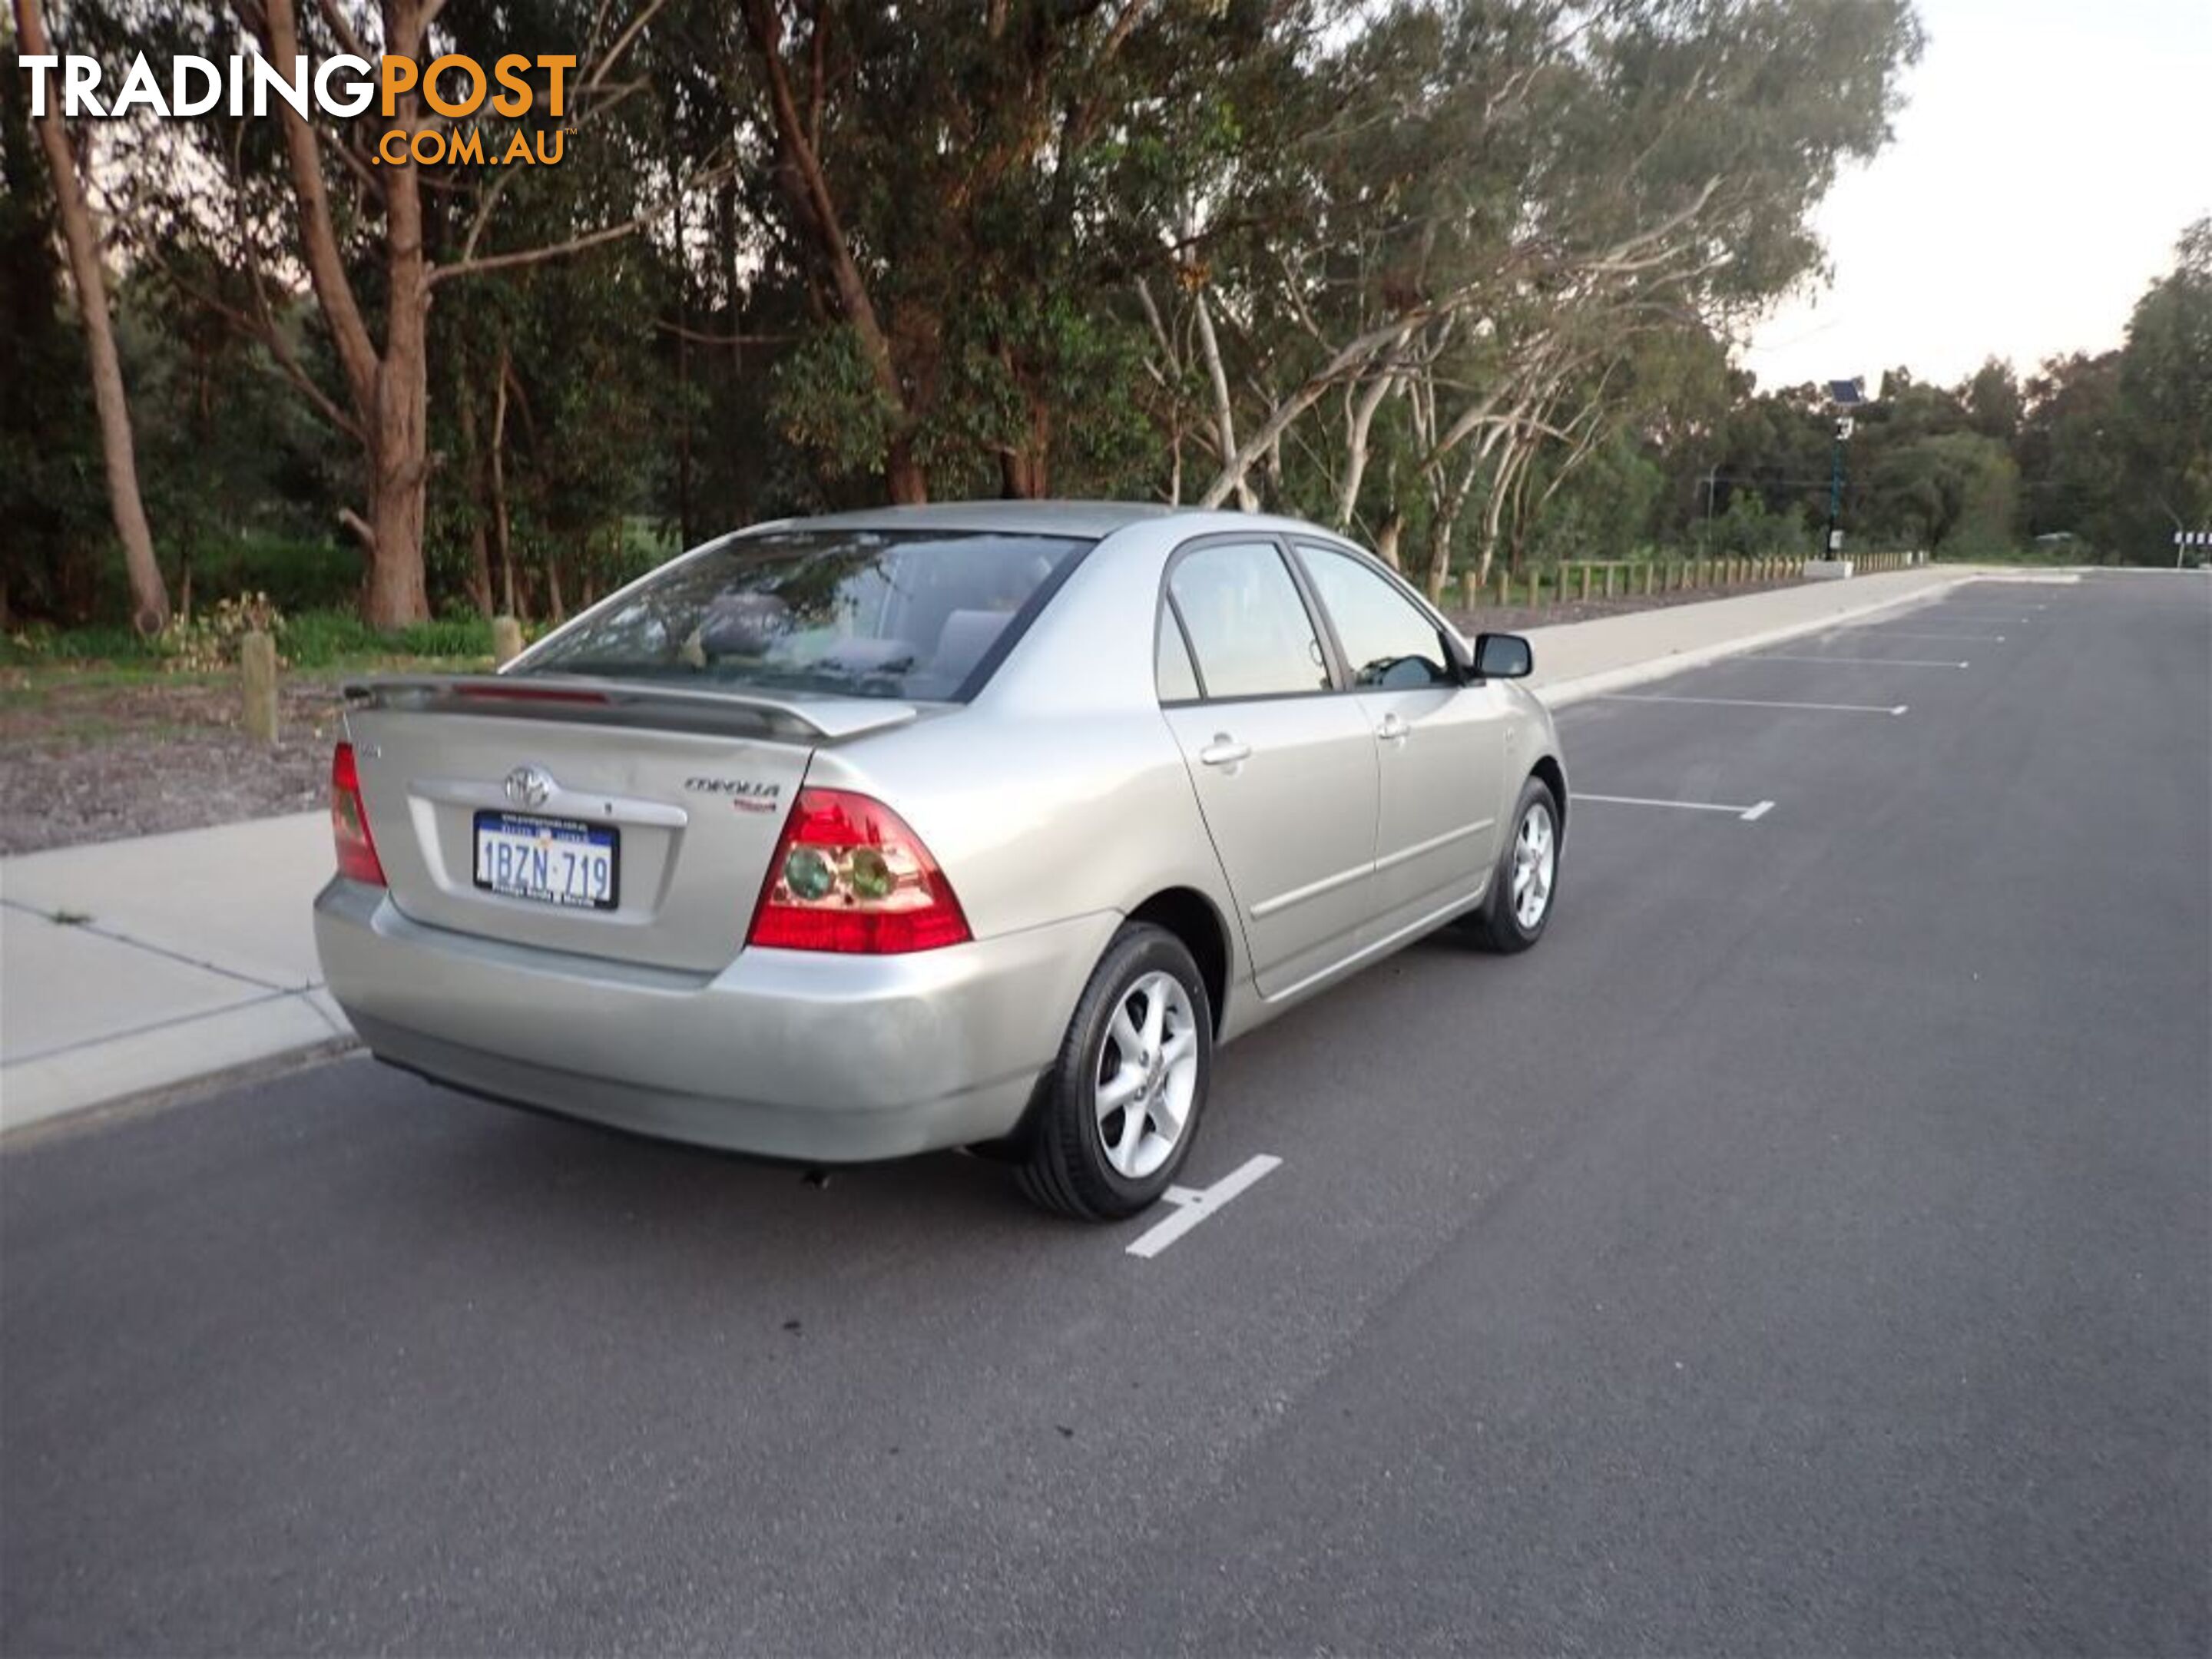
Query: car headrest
{"points": [[967, 634]]}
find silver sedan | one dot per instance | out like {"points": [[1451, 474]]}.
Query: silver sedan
{"points": [[850, 837]]}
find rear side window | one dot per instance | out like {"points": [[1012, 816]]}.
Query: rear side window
{"points": [[1390, 642], [1246, 623], [869, 613], [1172, 666]]}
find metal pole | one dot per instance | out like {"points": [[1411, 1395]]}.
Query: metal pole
{"points": [[1835, 494]]}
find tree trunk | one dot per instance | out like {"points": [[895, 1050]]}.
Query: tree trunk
{"points": [[472, 464], [806, 188], [1224, 415], [903, 474], [502, 539], [1359, 422], [149, 595], [1025, 469], [1386, 538], [400, 438]]}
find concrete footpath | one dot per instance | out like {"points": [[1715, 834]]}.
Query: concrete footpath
{"points": [[135, 967]]}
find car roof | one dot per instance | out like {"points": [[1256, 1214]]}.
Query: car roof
{"points": [[1092, 520]]}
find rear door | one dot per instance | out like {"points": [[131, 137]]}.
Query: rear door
{"points": [[1285, 767], [1441, 745]]}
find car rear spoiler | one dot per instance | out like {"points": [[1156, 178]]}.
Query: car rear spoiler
{"points": [[593, 699]]}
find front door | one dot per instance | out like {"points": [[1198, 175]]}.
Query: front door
{"points": [[1441, 744]]}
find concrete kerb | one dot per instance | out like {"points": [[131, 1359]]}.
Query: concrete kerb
{"points": [[1567, 693]]}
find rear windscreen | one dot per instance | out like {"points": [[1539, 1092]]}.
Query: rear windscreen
{"points": [[872, 613]]}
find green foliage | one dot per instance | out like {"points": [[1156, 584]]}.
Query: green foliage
{"points": [[825, 401], [1750, 529], [296, 574], [327, 639]]}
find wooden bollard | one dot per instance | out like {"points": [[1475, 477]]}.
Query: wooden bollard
{"points": [[1473, 585], [1505, 588], [257, 664], [1586, 581], [506, 640], [1609, 581], [1535, 590], [1650, 574]]}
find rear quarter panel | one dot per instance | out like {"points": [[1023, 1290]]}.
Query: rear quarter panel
{"points": [[1058, 790]]}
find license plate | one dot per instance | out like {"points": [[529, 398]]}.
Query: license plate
{"points": [[547, 861]]}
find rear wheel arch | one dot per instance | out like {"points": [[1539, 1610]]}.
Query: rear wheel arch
{"points": [[1191, 917]]}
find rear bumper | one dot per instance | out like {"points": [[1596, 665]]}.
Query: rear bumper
{"points": [[785, 1053]]}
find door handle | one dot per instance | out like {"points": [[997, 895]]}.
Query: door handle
{"points": [[1392, 730], [1224, 750]]}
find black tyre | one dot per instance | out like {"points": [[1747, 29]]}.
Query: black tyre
{"points": [[1526, 882], [1119, 1110]]}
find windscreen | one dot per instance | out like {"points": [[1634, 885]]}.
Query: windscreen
{"points": [[871, 613]]}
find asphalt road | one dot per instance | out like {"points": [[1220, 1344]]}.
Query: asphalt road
{"points": [[1809, 1249]]}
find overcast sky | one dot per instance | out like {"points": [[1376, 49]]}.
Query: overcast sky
{"points": [[2050, 154]]}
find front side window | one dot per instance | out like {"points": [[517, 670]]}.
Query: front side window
{"points": [[1247, 625], [869, 613], [1390, 642]]}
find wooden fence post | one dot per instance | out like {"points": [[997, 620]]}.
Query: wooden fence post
{"points": [[506, 640], [257, 664], [1472, 583]]}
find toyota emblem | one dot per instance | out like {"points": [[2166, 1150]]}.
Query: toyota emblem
{"points": [[529, 786]]}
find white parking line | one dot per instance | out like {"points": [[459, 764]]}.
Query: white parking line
{"points": [[1899, 634], [1756, 702], [1194, 1204], [1748, 814], [1878, 662]]}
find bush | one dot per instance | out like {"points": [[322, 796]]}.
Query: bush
{"points": [[318, 639], [42, 642], [209, 639], [323, 638], [296, 575]]}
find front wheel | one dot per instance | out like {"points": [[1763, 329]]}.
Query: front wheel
{"points": [[1518, 907], [1120, 1105]]}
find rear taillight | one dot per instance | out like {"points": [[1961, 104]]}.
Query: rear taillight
{"points": [[848, 875], [357, 859]]}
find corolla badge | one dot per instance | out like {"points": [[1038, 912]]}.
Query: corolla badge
{"points": [[529, 786], [746, 794]]}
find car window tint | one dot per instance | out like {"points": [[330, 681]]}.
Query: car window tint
{"points": [[1388, 640], [1246, 623], [1172, 666], [869, 613]]}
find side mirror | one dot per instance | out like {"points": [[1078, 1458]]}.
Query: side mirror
{"points": [[1502, 657]]}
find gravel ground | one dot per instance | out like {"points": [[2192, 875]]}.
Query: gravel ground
{"points": [[83, 758], [89, 755]]}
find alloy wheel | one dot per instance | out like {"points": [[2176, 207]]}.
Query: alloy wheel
{"points": [[1535, 855], [1147, 1075]]}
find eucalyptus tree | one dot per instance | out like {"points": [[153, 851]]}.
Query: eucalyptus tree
{"points": [[1509, 195], [68, 158], [964, 195], [247, 211]]}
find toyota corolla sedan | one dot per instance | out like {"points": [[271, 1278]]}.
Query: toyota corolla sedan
{"points": [[844, 838]]}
